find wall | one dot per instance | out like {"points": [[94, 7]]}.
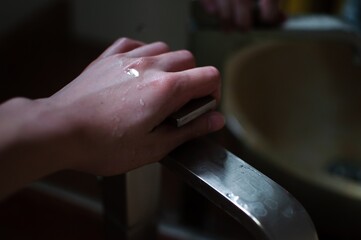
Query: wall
{"points": [[150, 20], [13, 12], [106, 20]]}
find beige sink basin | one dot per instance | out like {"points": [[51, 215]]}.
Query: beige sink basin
{"points": [[297, 102]]}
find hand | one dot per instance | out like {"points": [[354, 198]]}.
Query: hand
{"points": [[239, 13], [121, 100]]}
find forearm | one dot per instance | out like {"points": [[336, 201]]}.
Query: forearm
{"points": [[29, 143]]}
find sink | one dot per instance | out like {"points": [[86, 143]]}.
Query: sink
{"points": [[296, 100], [292, 101]]}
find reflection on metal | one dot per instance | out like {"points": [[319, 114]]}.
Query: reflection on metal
{"points": [[267, 210]]}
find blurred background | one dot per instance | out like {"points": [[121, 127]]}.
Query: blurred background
{"points": [[44, 44]]}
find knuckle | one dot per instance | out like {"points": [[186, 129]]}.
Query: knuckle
{"points": [[168, 84], [139, 62], [119, 57], [144, 62], [124, 41]]}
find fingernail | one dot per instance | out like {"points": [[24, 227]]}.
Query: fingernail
{"points": [[216, 121]]}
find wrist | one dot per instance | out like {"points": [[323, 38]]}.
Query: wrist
{"points": [[34, 142], [39, 132], [56, 125]]}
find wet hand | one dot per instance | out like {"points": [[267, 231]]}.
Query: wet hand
{"points": [[119, 103]]}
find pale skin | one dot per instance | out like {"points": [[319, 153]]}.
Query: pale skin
{"points": [[106, 121]]}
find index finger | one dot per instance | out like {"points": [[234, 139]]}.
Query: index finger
{"points": [[187, 85]]}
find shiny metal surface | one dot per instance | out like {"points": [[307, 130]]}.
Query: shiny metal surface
{"points": [[267, 210]]}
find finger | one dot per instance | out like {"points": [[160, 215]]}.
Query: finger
{"points": [[198, 82], [181, 87], [122, 45], [148, 50], [173, 137], [176, 61]]}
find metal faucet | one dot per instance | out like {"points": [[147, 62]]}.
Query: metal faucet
{"points": [[259, 204]]}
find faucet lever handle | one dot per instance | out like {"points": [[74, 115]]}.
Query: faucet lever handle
{"points": [[263, 207]]}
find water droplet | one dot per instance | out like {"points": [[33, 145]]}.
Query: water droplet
{"points": [[116, 130], [259, 210], [126, 90], [232, 196], [288, 212], [140, 86], [271, 203], [141, 102], [132, 72]]}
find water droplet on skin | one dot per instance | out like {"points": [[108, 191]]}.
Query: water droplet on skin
{"points": [[132, 72], [232, 196], [140, 86], [126, 90], [141, 101], [116, 132]]}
